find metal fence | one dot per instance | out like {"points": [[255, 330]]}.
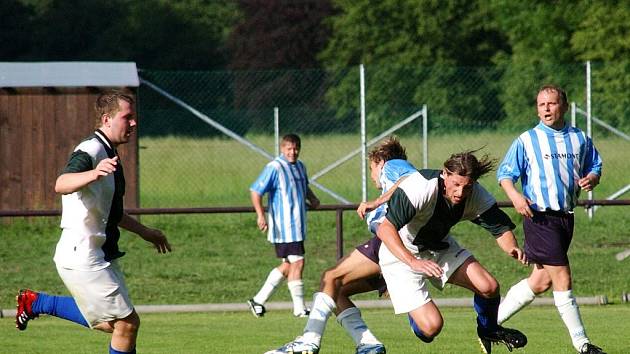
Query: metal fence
{"points": [[205, 136]]}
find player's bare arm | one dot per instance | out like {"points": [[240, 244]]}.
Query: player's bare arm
{"points": [[589, 182], [313, 201], [389, 235], [261, 220], [368, 206], [507, 242], [154, 236], [521, 204], [71, 182]]}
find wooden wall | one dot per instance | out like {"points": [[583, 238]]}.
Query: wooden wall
{"points": [[39, 129]]}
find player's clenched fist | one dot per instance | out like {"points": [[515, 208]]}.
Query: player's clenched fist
{"points": [[106, 167]]}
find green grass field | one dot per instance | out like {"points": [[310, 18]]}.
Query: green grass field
{"points": [[240, 332], [223, 258]]}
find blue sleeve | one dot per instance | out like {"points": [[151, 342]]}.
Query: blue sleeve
{"points": [[266, 181], [592, 160], [394, 169], [513, 163]]}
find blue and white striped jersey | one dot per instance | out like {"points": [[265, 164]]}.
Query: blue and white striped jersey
{"points": [[390, 173], [549, 163], [286, 184]]}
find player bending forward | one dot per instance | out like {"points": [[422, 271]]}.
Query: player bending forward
{"points": [[417, 248]]}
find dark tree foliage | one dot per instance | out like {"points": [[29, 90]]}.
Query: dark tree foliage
{"points": [[156, 34], [15, 29], [279, 34]]}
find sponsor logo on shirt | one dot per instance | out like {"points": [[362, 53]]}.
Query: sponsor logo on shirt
{"points": [[562, 156]]}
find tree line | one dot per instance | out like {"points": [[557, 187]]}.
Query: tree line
{"points": [[467, 59]]}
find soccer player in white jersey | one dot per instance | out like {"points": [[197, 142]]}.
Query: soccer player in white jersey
{"points": [[286, 182], [359, 271], [554, 162], [418, 249], [92, 186]]}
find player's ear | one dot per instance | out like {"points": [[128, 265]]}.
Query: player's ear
{"points": [[105, 120]]}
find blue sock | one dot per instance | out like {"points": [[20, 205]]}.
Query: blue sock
{"points": [[114, 351], [487, 312], [417, 331], [59, 306]]}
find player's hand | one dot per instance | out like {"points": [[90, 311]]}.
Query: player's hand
{"points": [[106, 167], [519, 255], [521, 205], [262, 223], [364, 208], [158, 239], [589, 182], [313, 203], [428, 267]]}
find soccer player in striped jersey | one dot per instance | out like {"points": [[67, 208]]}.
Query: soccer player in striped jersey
{"points": [[359, 271], [554, 162], [286, 182], [92, 186]]}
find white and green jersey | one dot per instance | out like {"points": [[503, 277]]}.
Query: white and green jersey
{"points": [[90, 216], [423, 216]]}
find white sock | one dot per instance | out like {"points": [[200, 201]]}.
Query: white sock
{"points": [[352, 322], [274, 279], [323, 306], [296, 288], [519, 296], [570, 314]]}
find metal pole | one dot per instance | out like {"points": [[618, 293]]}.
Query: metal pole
{"points": [[276, 129], [339, 233], [363, 138], [588, 121], [573, 123], [425, 138]]}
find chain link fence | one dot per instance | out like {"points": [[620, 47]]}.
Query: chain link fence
{"points": [[205, 136]]}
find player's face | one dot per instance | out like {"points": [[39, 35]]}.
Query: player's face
{"points": [[120, 127], [290, 151], [550, 109], [457, 188], [375, 172]]}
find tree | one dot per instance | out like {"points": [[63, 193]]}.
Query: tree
{"points": [[16, 29], [415, 52], [603, 36], [539, 36], [272, 35]]}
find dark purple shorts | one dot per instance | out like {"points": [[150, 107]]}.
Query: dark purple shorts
{"points": [[370, 250], [547, 237], [283, 250]]}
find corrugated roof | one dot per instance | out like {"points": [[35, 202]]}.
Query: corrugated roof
{"points": [[69, 74]]}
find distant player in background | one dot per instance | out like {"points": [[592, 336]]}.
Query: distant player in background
{"points": [[92, 187], [554, 161], [286, 181], [358, 272]]}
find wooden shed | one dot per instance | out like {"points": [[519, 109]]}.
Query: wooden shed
{"points": [[46, 109]]}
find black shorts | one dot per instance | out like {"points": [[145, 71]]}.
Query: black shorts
{"points": [[370, 250], [283, 250], [547, 237]]}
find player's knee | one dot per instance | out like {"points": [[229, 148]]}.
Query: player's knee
{"points": [[428, 329], [129, 325], [489, 288], [330, 276]]}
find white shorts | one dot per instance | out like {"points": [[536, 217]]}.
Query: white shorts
{"points": [[408, 289], [101, 295]]}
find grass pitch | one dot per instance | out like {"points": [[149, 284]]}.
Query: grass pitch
{"points": [[240, 332]]}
